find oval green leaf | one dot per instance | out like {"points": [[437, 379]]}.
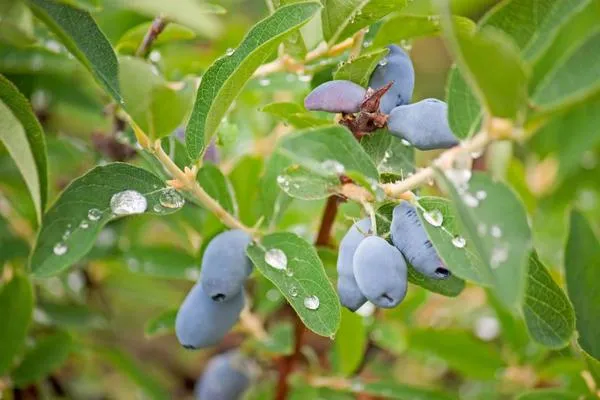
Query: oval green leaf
{"points": [[303, 282], [16, 303], [73, 221], [226, 77]]}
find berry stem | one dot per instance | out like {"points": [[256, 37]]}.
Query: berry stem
{"points": [[157, 26]]}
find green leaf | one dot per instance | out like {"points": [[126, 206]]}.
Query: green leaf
{"points": [[502, 89], [464, 110], [226, 77], [47, 355], [582, 123], [152, 103], [80, 34], [16, 303], [503, 244], [554, 394], [281, 339], [548, 29], [342, 18], [519, 18], [273, 200], [132, 39], [319, 148], [349, 344], [130, 368], [163, 262], [295, 114], [70, 316], [197, 15], [389, 154], [11, 245], [450, 287], [481, 361], [390, 335], [308, 283], [569, 35], [217, 186], [573, 78], [62, 230], [162, 324], [16, 24], [301, 183], [397, 391], [245, 179], [23, 137], [548, 312], [581, 266], [359, 70], [400, 26], [463, 262]]}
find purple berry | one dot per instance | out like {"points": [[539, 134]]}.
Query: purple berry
{"points": [[380, 271], [409, 236], [396, 67], [423, 124], [226, 377], [350, 295], [336, 97]]}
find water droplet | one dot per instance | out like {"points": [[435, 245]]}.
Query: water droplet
{"points": [[367, 44], [499, 255], [157, 208], [434, 217], [383, 62], [60, 248], [311, 302], [470, 200], [495, 231], [229, 51], [66, 235], [94, 214], [84, 224], [481, 229], [333, 165], [405, 142], [487, 328], [293, 291], [289, 272], [192, 274], [481, 194], [276, 258], [75, 281], [304, 78], [264, 82], [273, 295], [459, 241], [154, 56], [128, 202], [170, 198]]}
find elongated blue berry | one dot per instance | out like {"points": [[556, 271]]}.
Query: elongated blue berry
{"points": [[423, 124], [202, 322], [410, 237], [226, 377], [336, 97], [380, 272], [396, 67], [350, 295], [225, 265]]}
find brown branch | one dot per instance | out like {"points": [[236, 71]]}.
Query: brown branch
{"points": [[158, 25]]}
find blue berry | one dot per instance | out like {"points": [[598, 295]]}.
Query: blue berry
{"points": [[350, 295], [396, 67], [336, 97]]}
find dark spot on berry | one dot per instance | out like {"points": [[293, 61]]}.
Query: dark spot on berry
{"points": [[219, 297], [442, 272]]}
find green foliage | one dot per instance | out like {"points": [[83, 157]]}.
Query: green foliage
{"points": [[513, 211]]}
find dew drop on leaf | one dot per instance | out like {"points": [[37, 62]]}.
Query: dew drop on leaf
{"points": [[293, 291], [481, 194], [60, 248], [170, 198], [128, 202], [289, 272], [264, 82], [157, 208], [405, 142], [495, 231], [434, 217], [334, 166], [459, 242], [94, 214], [499, 255], [383, 62], [470, 200], [276, 258], [84, 224], [230, 51], [311, 302]]}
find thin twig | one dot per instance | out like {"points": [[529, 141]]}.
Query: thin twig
{"points": [[158, 25], [186, 180]]}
